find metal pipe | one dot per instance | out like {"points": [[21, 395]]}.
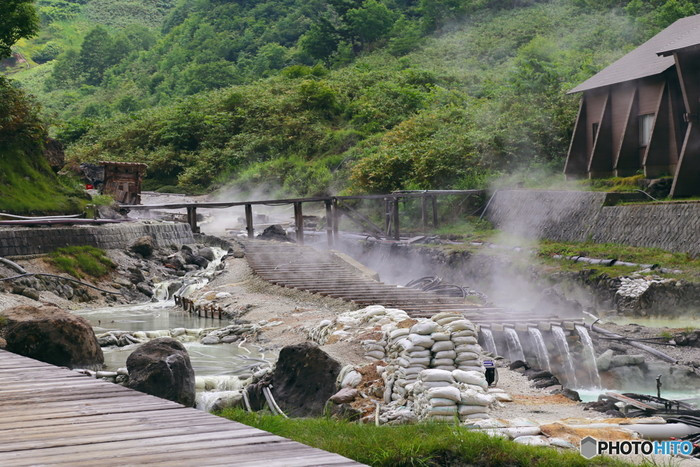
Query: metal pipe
{"points": [[646, 348]]}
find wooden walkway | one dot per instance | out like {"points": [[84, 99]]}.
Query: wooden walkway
{"points": [[51, 415]]}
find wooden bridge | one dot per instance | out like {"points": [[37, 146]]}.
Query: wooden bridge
{"points": [[334, 210], [51, 415]]}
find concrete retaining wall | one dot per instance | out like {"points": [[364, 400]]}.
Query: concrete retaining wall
{"points": [[573, 216], [21, 241]]}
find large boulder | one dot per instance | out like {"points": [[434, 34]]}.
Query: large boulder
{"points": [[143, 246], [162, 368], [275, 232], [51, 335], [304, 379]]}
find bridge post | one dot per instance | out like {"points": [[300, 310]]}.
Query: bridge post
{"points": [[299, 223], [435, 211], [329, 222], [249, 220], [336, 220], [192, 218], [395, 217]]}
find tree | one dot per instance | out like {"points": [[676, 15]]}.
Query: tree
{"points": [[18, 19], [370, 22]]}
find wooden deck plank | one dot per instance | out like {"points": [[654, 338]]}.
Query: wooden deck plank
{"points": [[51, 415]]}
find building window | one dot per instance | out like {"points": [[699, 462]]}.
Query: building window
{"points": [[646, 123]]}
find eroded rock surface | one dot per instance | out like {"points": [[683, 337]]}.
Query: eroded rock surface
{"points": [[162, 368], [51, 335]]}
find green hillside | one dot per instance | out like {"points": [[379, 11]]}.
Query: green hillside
{"points": [[27, 183], [307, 97]]}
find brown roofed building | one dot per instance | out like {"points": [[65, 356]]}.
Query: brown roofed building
{"points": [[641, 113]]}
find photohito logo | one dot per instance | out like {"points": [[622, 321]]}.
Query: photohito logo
{"points": [[591, 447]]}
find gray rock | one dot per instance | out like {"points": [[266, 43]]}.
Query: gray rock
{"points": [[604, 360], [144, 289], [143, 246], [162, 368], [207, 253], [626, 360]]}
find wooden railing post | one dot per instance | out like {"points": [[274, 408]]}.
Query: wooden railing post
{"points": [[423, 213], [192, 218], [336, 221], [395, 218], [299, 222], [329, 222], [249, 221], [435, 211]]}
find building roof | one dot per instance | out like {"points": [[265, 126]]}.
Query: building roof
{"points": [[650, 58], [137, 165]]}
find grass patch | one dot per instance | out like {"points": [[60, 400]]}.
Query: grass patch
{"points": [[81, 261], [421, 444], [28, 186]]}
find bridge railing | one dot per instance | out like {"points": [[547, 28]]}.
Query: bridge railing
{"points": [[333, 210]]}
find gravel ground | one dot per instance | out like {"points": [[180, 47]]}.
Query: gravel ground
{"points": [[537, 405]]}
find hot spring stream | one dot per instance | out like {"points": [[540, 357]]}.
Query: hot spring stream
{"points": [[218, 368]]}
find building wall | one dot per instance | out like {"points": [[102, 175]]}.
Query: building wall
{"points": [[21, 241], [579, 216]]}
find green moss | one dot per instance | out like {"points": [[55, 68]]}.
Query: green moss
{"points": [[79, 261], [421, 444]]}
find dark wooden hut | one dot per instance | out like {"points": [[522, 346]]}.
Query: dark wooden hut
{"points": [[122, 181], [641, 113]]}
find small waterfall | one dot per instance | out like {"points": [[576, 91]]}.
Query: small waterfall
{"points": [[567, 364], [218, 383], [515, 350], [540, 348], [589, 356], [217, 400], [489, 342]]}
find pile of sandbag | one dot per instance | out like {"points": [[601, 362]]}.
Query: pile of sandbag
{"points": [[435, 367], [346, 325]]}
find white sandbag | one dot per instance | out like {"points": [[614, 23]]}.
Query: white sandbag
{"points": [[446, 314], [403, 344], [446, 367], [372, 347], [476, 416], [397, 333], [395, 396], [473, 398], [419, 353], [410, 371], [470, 409], [403, 362], [376, 354], [445, 354], [440, 336], [448, 392], [502, 397], [465, 340], [464, 333], [440, 346], [441, 418], [441, 402], [442, 411], [434, 384], [351, 379], [436, 362], [436, 375], [466, 356], [373, 310], [400, 382], [474, 348], [425, 327], [421, 341], [461, 325], [469, 377], [415, 362], [471, 366]]}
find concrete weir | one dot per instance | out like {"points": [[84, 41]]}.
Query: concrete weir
{"points": [[23, 241]]}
